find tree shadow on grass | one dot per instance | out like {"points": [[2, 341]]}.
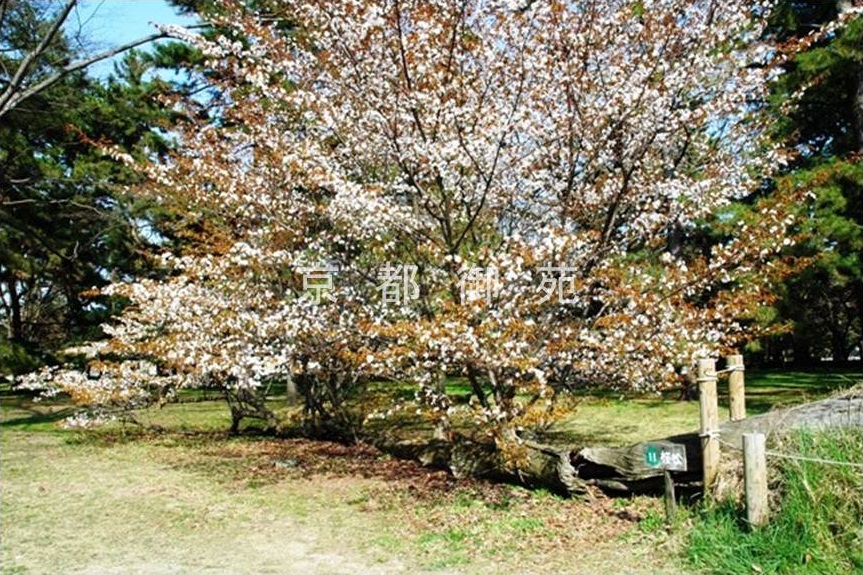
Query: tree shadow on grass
{"points": [[35, 418], [20, 410]]}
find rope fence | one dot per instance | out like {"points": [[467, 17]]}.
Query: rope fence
{"points": [[731, 369], [753, 445], [796, 457]]}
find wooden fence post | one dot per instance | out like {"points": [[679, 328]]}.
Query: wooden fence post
{"points": [[670, 499], [736, 388], [755, 478], [709, 409]]}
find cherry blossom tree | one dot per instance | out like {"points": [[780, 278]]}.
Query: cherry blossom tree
{"points": [[537, 178]]}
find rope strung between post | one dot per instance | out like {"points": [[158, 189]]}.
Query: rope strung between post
{"points": [[797, 457], [813, 459], [712, 434], [731, 369], [729, 445]]}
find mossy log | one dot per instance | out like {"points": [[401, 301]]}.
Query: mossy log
{"points": [[570, 470]]}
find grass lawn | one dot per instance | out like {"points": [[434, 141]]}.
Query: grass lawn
{"points": [[618, 419], [766, 390], [126, 501], [816, 522], [192, 500]]}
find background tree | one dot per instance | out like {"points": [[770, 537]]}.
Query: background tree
{"points": [[37, 68], [818, 105], [67, 227]]}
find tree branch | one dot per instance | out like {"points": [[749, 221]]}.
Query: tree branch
{"points": [[12, 96], [8, 103], [27, 62]]}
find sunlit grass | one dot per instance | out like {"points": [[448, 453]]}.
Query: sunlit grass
{"points": [[191, 499], [768, 389], [184, 503], [817, 523], [615, 418], [609, 418]]}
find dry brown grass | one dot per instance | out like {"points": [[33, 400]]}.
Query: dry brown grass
{"points": [[203, 503]]}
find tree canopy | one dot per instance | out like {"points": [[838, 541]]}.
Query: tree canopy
{"points": [[525, 184], [536, 197]]}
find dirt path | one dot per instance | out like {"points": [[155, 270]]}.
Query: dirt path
{"points": [[211, 505]]}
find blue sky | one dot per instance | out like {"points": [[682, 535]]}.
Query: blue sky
{"points": [[109, 23]]}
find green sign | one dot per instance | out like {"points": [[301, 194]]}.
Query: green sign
{"points": [[665, 456]]}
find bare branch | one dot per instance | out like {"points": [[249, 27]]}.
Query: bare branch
{"points": [[9, 103], [13, 95], [24, 68]]}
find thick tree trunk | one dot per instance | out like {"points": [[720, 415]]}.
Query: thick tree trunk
{"points": [[476, 388], [543, 465], [617, 470], [292, 396]]}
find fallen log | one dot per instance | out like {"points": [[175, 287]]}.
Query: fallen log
{"points": [[624, 470], [542, 466], [568, 470]]}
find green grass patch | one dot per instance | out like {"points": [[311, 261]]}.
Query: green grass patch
{"points": [[769, 389], [816, 528], [26, 412], [103, 499], [618, 418], [197, 411], [622, 421]]}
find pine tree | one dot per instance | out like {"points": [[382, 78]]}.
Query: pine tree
{"points": [[819, 112], [67, 226]]}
